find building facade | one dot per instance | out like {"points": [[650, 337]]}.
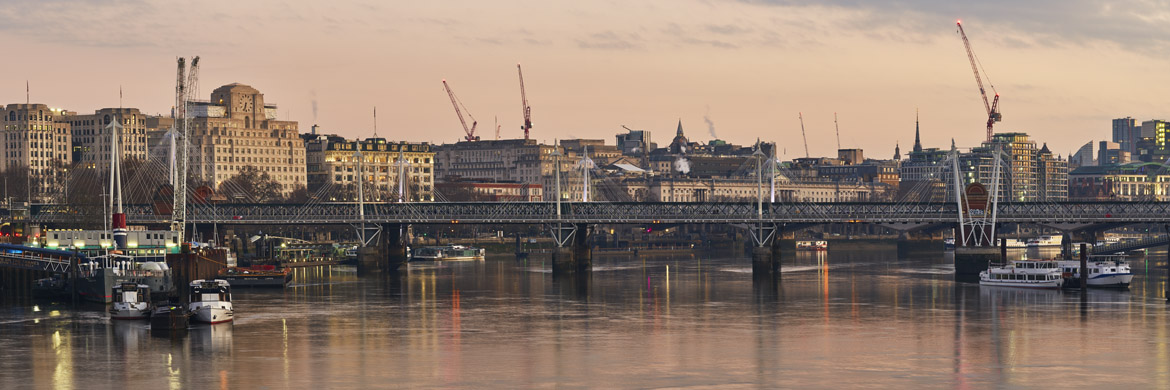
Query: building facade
{"points": [[336, 164], [236, 129], [1120, 182], [91, 136]]}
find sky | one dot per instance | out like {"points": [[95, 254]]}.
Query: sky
{"points": [[736, 70]]}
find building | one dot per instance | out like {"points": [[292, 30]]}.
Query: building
{"points": [[1126, 133], [237, 129], [472, 191], [91, 136], [1112, 153], [36, 139], [1084, 157], [1028, 174], [1052, 176], [333, 162], [1137, 181], [673, 189]]}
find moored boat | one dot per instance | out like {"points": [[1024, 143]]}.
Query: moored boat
{"points": [[1106, 271], [1044, 274], [211, 301], [131, 302], [256, 276], [169, 316], [1044, 242], [812, 245], [446, 253]]}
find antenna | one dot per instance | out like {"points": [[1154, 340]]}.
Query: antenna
{"points": [[838, 130]]}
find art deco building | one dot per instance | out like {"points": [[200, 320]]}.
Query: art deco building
{"points": [[236, 129]]}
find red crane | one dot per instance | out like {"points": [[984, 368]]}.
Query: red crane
{"points": [[456, 103], [524, 101], [992, 107]]}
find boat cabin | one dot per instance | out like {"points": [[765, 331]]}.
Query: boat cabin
{"points": [[210, 291]]}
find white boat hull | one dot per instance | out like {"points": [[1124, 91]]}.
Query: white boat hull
{"points": [[212, 312], [1033, 284], [1110, 280], [134, 311]]}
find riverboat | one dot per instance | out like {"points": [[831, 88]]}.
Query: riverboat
{"points": [[256, 276], [1042, 274], [131, 302], [812, 245], [211, 301], [169, 316], [1105, 271], [1044, 242], [447, 253], [949, 244]]}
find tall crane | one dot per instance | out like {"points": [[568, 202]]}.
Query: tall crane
{"points": [[524, 102], [992, 107], [192, 92], [179, 161], [456, 103]]}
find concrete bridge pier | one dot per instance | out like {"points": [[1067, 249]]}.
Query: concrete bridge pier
{"points": [[387, 253], [767, 256], [574, 255]]}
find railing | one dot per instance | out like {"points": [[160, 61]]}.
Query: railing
{"points": [[632, 212]]}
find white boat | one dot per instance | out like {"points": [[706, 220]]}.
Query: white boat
{"points": [[1104, 271], [949, 244], [1044, 241], [449, 252], [211, 301], [131, 302], [1023, 273], [812, 245], [1016, 243]]}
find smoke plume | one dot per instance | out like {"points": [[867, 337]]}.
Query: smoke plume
{"points": [[313, 101], [682, 165], [710, 124]]}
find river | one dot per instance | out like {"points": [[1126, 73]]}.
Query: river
{"points": [[838, 320]]}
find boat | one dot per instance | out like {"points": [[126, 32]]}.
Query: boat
{"points": [[256, 276], [131, 302], [1044, 241], [949, 244], [169, 316], [447, 253], [142, 260], [1015, 243], [211, 301], [1043, 274], [812, 245], [1106, 271]]}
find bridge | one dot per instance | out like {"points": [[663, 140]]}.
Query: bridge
{"points": [[1062, 215]]}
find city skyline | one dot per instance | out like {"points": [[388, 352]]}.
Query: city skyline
{"points": [[748, 67]]}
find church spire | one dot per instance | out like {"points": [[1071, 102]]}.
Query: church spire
{"points": [[897, 152], [679, 133], [917, 138]]}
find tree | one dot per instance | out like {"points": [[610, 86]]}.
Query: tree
{"points": [[251, 185]]}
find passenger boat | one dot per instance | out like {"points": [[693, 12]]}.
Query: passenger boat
{"points": [[131, 302], [256, 276], [1023, 273], [211, 301], [449, 252], [949, 244], [812, 245], [1108, 271], [1044, 241]]}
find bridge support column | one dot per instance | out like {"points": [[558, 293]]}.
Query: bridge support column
{"points": [[970, 261], [388, 254], [573, 253]]}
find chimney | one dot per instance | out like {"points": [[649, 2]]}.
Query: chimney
{"points": [[314, 129]]}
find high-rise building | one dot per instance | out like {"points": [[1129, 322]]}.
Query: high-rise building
{"points": [[91, 136], [1052, 176], [1112, 153], [1126, 133], [236, 129], [37, 139], [1084, 157], [1027, 174], [334, 162]]}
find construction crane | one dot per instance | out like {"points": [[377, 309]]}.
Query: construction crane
{"points": [[992, 107], [456, 103], [802, 135], [524, 102], [838, 128], [192, 92]]}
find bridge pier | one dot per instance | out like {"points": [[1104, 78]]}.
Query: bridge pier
{"points": [[919, 242], [768, 250], [574, 254], [388, 254], [970, 261]]}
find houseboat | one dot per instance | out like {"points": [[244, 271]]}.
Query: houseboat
{"points": [[447, 253]]}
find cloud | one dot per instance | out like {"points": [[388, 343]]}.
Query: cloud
{"points": [[1141, 26], [609, 40]]}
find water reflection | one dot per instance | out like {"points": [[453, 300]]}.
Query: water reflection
{"points": [[841, 319]]}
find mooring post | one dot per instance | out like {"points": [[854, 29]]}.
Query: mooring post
{"points": [[1167, 292], [1003, 250], [1084, 266], [74, 263]]}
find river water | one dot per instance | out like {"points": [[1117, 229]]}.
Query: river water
{"points": [[838, 320]]}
